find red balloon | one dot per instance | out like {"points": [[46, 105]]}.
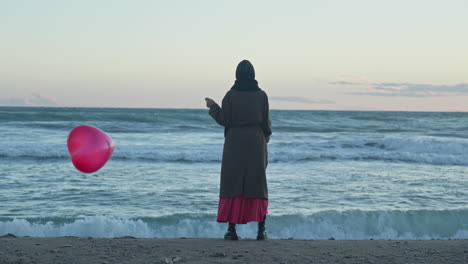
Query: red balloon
{"points": [[90, 148]]}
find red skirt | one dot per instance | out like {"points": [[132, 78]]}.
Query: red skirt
{"points": [[240, 210]]}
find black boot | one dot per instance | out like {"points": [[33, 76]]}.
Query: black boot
{"points": [[231, 233], [261, 234]]}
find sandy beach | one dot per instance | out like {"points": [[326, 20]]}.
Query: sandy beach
{"points": [[186, 250]]}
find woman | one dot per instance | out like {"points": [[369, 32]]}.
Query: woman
{"points": [[247, 128]]}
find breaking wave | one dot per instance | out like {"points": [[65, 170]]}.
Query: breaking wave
{"points": [[352, 224]]}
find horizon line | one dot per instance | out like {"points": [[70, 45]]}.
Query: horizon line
{"points": [[187, 108]]}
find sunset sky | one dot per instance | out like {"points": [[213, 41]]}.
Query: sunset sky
{"points": [[408, 55]]}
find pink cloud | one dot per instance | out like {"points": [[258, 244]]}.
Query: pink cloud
{"points": [[403, 89], [35, 99]]}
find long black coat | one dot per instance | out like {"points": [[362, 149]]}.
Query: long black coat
{"points": [[245, 116]]}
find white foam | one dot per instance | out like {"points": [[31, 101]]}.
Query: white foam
{"points": [[353, 224], [391, 148]]}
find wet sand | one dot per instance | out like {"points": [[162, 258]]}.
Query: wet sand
{"points": [[186, 250]]}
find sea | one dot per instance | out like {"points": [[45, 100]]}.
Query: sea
{"points": [[331, 174]]}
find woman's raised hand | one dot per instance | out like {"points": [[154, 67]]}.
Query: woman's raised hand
{"points": [[209, 102]]}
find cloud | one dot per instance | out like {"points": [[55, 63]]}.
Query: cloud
{"points": [[347, 83], [35, 99], [403, 89], [299, 99]]}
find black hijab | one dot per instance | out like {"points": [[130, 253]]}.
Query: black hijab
{"points": [[245, 78]]}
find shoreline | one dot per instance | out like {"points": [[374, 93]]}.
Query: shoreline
{"points": [[208, 250]]}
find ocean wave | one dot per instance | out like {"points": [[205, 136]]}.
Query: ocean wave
{"points": [[353, 224], [274, 159], [117, 120], [114, 127], [102, 115], [425, 150]]}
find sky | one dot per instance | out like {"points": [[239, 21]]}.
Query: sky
{"points": [[398, 55]]}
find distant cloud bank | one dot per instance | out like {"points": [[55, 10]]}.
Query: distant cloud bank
{"points": [[300, 99], [407, 89], [35, 99]]}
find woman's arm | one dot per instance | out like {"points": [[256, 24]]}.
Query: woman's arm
{"points": [[266, 125], [222, 115]]}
